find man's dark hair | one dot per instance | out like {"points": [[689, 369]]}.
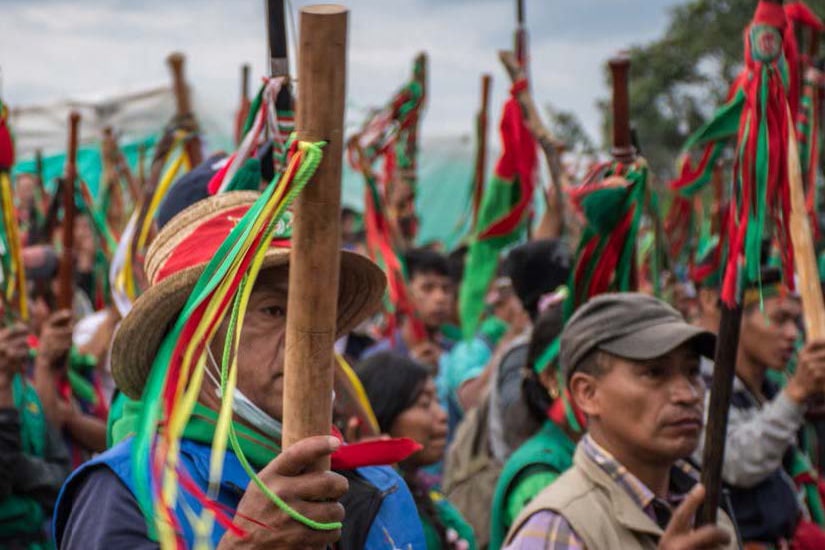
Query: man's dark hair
{"points": [[547, 328], [536, 268], [595, 363], [421, 261]]}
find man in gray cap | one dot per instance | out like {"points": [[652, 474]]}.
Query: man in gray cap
{"points": [[631, 363]]}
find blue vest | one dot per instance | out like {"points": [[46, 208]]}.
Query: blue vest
{"points": [[392, 518]]}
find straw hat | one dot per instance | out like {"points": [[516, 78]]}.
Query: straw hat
{"points": [[175, 261]]}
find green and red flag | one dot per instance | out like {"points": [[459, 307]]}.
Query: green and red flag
{"points": [[504, 212], [611, 199]]}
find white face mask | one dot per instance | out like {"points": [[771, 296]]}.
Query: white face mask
{"points": [[242, 406]]}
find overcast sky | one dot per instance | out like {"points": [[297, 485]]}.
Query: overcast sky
{"points": [[58, 49]]}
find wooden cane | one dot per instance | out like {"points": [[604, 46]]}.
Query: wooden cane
{"points": [[66, 269], [481, 146], [312, 306], [183, 104], [244, 104], [278, 51], [721, 389], [520, 40], [623, 150]]}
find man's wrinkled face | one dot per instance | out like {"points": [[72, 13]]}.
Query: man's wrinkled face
{"points": [[261, 350], [768, 337], [432, 295], [649, 409]]}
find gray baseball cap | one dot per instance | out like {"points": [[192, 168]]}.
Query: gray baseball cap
{"points": [[629, 325]]}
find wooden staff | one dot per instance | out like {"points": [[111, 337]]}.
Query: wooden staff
{"points": [[183, 105], [278, 52], [623, 150], [721, 389], [481, 145], [314, 262], [123, 171], [243, 109], [550, 146], [520, 45], [65, 274], [38, 171]]}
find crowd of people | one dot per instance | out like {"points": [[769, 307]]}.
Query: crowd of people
{"points": [[535, 433], [543, 385]]}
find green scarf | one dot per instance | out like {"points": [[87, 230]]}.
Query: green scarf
{"points": [[201, 428]]}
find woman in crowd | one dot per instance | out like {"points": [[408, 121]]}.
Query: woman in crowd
{"points": [[403, 396]]}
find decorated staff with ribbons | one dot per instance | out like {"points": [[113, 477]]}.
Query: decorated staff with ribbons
{"points": [[752, 423], [219, 448]]}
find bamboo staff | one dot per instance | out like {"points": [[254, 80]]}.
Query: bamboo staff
{"points": [[183, 105], [550, 146], [66, 272], [804, 254], [314, 264], [481, 144]]}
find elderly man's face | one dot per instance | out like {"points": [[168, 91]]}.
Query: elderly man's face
{"points": [[651, 410], [261, 350]]}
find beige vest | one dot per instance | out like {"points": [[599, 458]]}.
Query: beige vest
{"points": [[601, 512]]}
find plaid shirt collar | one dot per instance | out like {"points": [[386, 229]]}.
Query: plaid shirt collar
{"points": [[639, 493]]}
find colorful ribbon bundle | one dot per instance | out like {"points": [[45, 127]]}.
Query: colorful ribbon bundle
{"points": [[611, 200], [761, 163], [172, 389], [755, 114]]}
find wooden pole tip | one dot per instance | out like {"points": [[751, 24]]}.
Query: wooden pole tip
{"points": [[74, 117], [175, 59], [619, 61], [324, 9]]}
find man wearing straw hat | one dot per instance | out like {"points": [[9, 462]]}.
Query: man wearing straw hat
{"points": [[294, 505]]}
